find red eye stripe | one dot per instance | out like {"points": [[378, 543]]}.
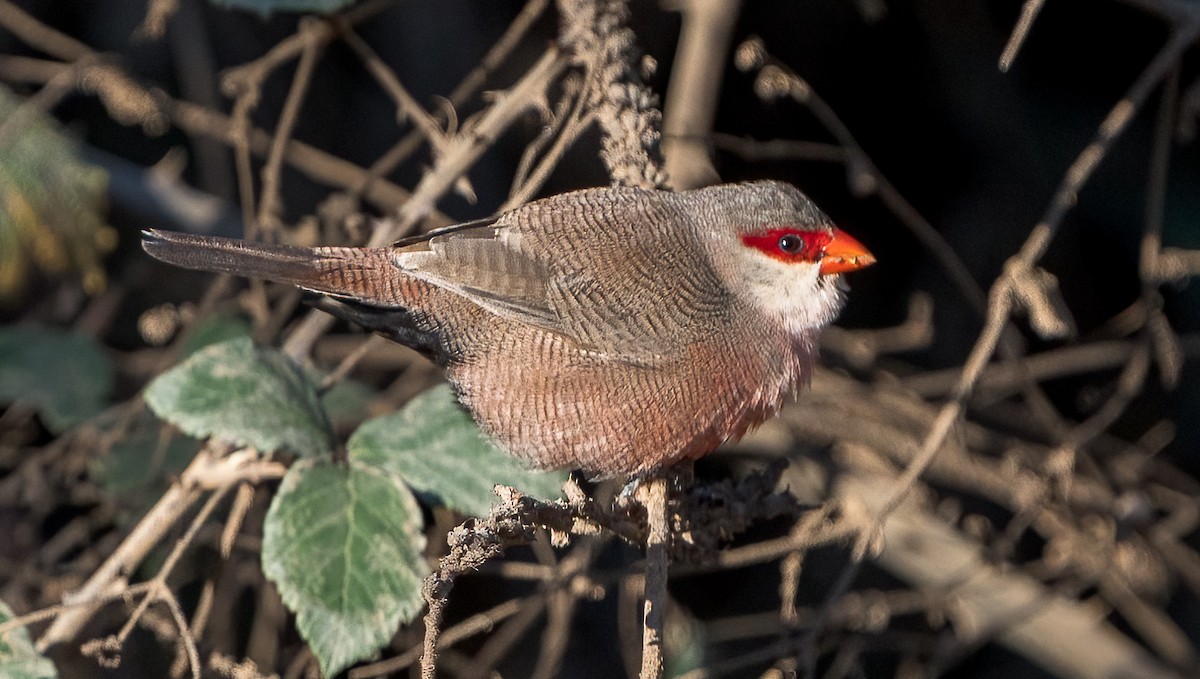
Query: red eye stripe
{"points": [[774, 241]]}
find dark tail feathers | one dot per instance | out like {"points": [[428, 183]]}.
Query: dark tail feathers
{"points": [[363, 274]]}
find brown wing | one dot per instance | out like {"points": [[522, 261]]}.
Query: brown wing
{"points": [[617, 271], [479, 261]]}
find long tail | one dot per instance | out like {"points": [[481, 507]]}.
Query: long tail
{"points": [[362, 274]]}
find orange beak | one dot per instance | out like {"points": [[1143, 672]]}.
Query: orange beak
{"points": [[844, 254]]}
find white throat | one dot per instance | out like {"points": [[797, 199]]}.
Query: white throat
{"points": [[795, 293]]}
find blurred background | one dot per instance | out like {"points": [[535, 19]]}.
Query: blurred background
{"points": [[121, 116]]}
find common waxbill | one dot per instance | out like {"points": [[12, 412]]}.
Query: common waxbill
{"points": [[616, 330]]}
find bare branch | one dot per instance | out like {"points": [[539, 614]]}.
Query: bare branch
{"points": [[1029, 12], [692, 95]]}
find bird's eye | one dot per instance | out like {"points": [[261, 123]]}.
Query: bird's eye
{"points": [[790, 243]]}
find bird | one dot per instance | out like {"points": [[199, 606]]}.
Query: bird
{"points": [[617, 330]]}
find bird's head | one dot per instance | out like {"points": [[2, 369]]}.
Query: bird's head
{"points": [[777, 251]]}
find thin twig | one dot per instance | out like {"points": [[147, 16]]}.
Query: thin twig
{"points": [[144, 537], [51, 611], [185, 635], [195, 119], [503, 640], [1001, 379], [776, 80], [780, 149], [560, 611], [269, 206], [577, 123], [461, 152], [1029, 12], [999, 306], [43, 101], [212, 467], [159, 589], [406, 105], [36, 34], [476, 624], [1000, 300], [465, 148], [408, 145], [652, 493], [250, 76], [693, 91], [1113, 125]]}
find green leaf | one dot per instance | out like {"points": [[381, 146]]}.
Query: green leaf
{"points": [[18, 658], [66, 376], [268, 7], [244, 394], [215, 329], [348, 403], [140, 460], [438, 450], [684, 646], [343, 545], [51, 203]]}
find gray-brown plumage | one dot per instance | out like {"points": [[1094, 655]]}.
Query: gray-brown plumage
{"points": [[615, 330]]}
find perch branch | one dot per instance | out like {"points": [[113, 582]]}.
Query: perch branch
{"points": [[652, 494]]}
